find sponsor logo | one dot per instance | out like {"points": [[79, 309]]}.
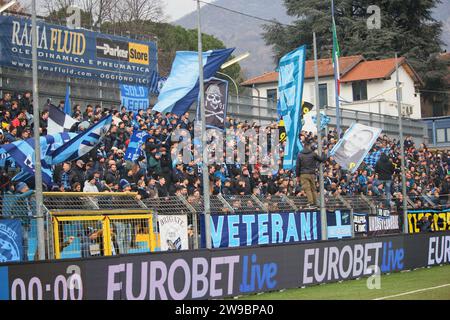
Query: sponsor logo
{"points": [[256, 276], [438, 250], [333, 263], [124, 51], [138, 53], [178, 280]]}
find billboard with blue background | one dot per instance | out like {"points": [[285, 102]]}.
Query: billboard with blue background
{"points": [[77, 53], [240, 230], [11, 248]]}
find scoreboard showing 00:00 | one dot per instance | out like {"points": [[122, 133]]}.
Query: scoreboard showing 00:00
{"points": [[59, 287]]}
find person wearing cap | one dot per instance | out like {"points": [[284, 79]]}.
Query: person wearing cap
{"points": [[79, 171]]}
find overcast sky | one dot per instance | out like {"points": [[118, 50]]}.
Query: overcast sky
{"points": [[175, 9]]}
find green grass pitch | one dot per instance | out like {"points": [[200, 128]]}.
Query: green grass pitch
{"points": [[420, 284]]}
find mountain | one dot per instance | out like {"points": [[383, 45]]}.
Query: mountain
{"points": [[245, 33], [239, 31]]}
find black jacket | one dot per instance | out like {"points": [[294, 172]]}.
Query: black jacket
{"points": [[384, 168], [307, 161]]}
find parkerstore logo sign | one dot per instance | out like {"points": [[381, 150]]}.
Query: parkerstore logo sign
{"points": [[123, 51]]}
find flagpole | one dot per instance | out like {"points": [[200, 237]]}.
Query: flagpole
{"points": [[37, 143], [205, 172], [402, 149], [323, 214], [336, 72]]}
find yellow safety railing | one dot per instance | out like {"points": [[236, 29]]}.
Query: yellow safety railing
{"points": [[104, 231]]}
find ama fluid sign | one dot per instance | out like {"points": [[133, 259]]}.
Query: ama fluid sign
{"points": [[76, 53]]}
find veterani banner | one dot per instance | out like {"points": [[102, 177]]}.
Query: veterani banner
{"points": [[239, 230], [77, 53], [206, 274]]}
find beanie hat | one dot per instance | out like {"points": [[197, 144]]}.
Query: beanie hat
{"points": [[123, 184], [20, 186]]}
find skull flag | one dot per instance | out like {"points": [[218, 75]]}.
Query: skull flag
{"points": [[216, 101]]}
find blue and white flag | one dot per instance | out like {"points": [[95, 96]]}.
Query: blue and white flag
{"points": [[372, 158], [290, 88], [182, 86], [67, 107], [134, 147], [58, 121], [82, 143], [11, 248], [23, 153], [133, 97]]}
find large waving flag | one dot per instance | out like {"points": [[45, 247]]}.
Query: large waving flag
{"points": [[290, 88], [82, 143], [23, 153], [58, 121], [182, 87]]}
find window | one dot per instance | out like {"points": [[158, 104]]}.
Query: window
{"points": [[323, 95], [440, 135], [272, 94], [359, 90]]}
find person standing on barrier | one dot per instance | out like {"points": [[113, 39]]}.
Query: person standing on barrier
{"points": [[306, 166], [385, 170]]}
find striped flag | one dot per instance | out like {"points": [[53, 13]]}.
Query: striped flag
{"points": [[58, 121], [23, 153], [82, 143]]}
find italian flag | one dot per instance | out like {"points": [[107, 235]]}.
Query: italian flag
{"points": [[336, 55]]}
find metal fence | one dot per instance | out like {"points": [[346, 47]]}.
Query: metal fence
{"points": [[91, 224]]}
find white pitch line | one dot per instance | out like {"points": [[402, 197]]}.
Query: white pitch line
{"points": [[411, 292]]}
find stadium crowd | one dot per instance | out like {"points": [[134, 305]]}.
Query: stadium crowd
{"points": [[156, 174]]}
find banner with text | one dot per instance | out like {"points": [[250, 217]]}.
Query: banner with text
{"points": [[338, 224], [78, 53], [134, 98], [240, 230], [440, 219], [11, 248], [213, 274], [173, 232]]}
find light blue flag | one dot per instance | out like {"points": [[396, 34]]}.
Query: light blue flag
{"points": [[182, 86], [82, 143], [324, 120], [67, 108], [23, 153], [290, 88], [134, 147]]}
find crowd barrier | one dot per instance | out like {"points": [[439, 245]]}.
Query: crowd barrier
{"points": [[90, 224], [219, 273]]}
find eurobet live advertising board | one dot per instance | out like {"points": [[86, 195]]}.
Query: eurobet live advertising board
{"points": [[77, 53], [205, 274]]}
